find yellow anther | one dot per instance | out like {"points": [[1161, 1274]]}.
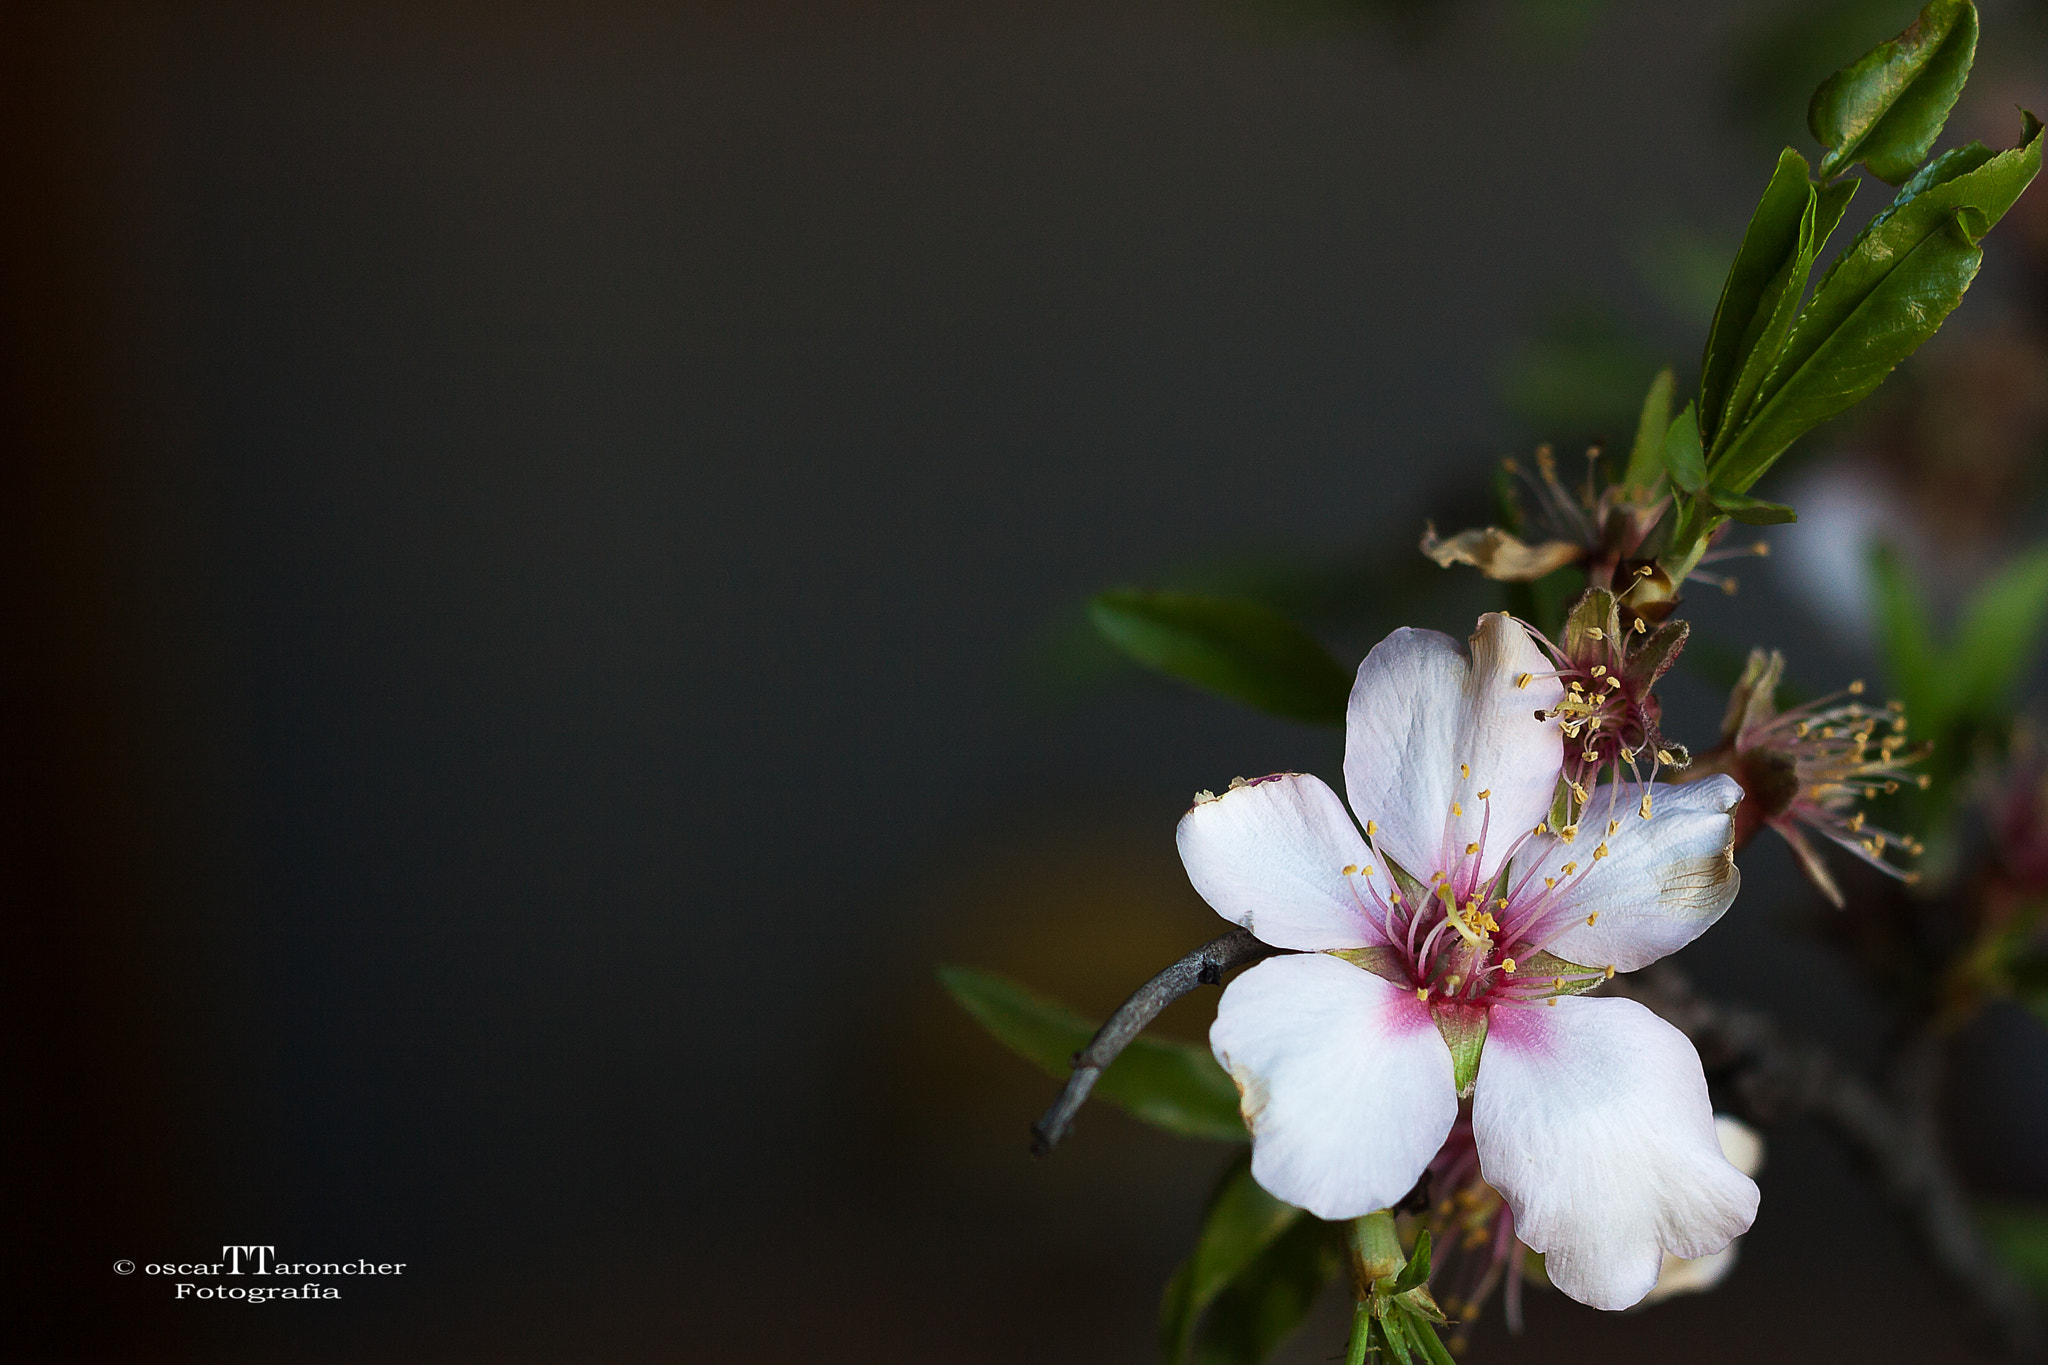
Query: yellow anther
{"points": [[1729, 586], [1457, 809], [1557, 983], [1542, 828], [1611, 680], [1592, 918], [1597, 634], [1465, 771], [1550, 883], [1485, 794], [1502, 903], [1599, 669], [1507, 964], [1644, 809], [1422, 992], [1613, 825], [1349, 868], [1856, 821], [1471, 848], [1365, 872], [1600, 852], [1591, 755], [1372, 827], [1666, 756], [1923, 780], [1577, 791], [1569, 833], [1762, 549], [1552, 1002], [1524, 679], [1638, 627], [1610, 971], [1856, 688], [1569, 868]]}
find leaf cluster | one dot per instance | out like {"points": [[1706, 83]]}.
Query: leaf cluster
{"points": [[1777, 362]]}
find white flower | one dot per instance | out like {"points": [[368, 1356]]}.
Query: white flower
{"points": [[1590, 1115]]}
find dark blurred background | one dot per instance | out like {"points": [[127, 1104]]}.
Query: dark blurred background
{"points": [[543, 547]]}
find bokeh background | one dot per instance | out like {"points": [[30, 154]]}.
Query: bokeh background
{"points": [[544, 547]]}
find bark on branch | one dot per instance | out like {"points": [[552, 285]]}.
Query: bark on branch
{"points": [[1894, 1135], [1203, 967]]}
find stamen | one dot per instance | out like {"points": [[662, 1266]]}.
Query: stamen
{"points": [[1592, 918], [1457, 809], [1465, 771], [1507, 964]]}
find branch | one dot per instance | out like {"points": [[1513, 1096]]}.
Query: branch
{"points": [[1895, 1137], [1203, 967]]}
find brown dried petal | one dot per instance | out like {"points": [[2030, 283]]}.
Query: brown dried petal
{"points": [[1499, 555]]}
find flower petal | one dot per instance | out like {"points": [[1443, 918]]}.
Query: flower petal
{"points": [[1345, 1082], [1430, 729], [1592, 1121], [1660, 884], [1270, 855]]}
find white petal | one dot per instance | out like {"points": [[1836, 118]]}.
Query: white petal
{"points": [[1592, 1120], [1429, 728], [1270, 855], [1662, 882], [1345, 1082], [1744, 1148]]}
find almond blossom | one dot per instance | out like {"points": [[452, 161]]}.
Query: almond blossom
{"points": [[1438, 955]]}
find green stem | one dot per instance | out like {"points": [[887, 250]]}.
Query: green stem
{"points": [[1375, 1250]]}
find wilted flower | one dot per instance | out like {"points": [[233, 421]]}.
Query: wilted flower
{"points": [[1440, 954], [1807, 768], [1609, 713], [1599, 526]]}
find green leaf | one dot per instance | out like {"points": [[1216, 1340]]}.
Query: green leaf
{"points": [[1241, 1224], [1269, 1299], [1683, 460], [1646, 457], [1888, 106], [1234, 648], [2020, 1237], [1998, 635], [1416, 1272], [1771, 240], [1171, 1085], [1750, 511], [1464, 1033], [1776, 308], [1905, 638], [1887, 292]]}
